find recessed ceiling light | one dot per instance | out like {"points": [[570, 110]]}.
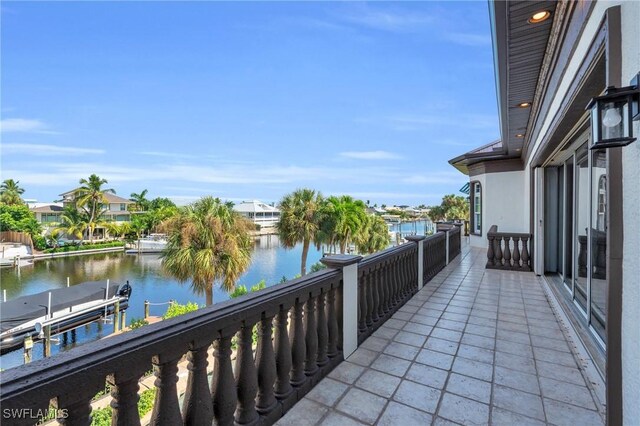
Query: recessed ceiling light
{"points": [[519, 135], [524, 104], [538, 17]]}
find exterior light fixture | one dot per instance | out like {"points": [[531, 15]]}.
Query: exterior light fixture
{"points": [[524, 104], [538, 17], [612, 115], [519, 135]]}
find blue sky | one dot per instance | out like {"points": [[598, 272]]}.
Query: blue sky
{"points": [[245, 100]]}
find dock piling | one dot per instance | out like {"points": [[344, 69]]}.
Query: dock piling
{"points": [[116, 316], [123, 320], [146, 309], [47, 340], [28, 345]]}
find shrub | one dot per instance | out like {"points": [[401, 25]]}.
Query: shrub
{"points": [[39, 242], [238, 291], [102, 417], [137, 323], [176, 309], [241, 290], [80, 247], [145, 404], [318, 266]]}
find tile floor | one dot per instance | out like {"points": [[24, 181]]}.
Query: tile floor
{"points": [[473, 347]]}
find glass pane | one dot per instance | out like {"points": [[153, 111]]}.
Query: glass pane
{"points": [[582, 225], [599, 242], [568, 230], [560, 198]]}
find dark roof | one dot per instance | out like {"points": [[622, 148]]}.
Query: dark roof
{"points": [[112, 198], [51, 208]]}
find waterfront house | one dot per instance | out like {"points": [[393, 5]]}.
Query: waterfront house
{"points": [[527, 324], [563, 179], [260, 213], [47, 213], [117, 209]]}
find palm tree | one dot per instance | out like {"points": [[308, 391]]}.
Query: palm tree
{"points": [[91, 197], [375, 235], [207, 242], [347, 217], [140, 200], [10, 192], [300, 220], [73, 222]]}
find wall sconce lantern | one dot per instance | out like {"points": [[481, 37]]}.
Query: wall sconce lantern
{"points": [[612, 115]]}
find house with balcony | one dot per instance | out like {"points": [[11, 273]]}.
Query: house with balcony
{"points": [[262, 214], [534, 321]]}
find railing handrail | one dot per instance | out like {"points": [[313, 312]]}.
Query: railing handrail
{"points": [[152, 339], [374, 258], [493, 232]]}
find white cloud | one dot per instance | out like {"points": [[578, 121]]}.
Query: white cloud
{"points": [[370, 155], [24, 125], [395, 20], [47, 150]]}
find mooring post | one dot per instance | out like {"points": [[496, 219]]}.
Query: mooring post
{"points": [[123, 320], [4, 295], [47, 340], [146, 309], [28, 345], [116, 316]]}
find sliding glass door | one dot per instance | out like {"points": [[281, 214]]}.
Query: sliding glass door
{"points": [[598, 243], [576, 232], [581, 229]]}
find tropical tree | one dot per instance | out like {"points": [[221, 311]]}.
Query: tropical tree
{"points": [[119, 230], [452, 207], [344, 218], [300, 219], [10, 192], [140, 201], [73, 222], [18, 217], [374, 235], [207, 242], [91, 197]]}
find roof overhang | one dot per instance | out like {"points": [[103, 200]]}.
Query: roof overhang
{"points": [[519, 49]]}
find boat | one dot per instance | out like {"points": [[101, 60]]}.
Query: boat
{"points": [[62, 309], [153, 243]]}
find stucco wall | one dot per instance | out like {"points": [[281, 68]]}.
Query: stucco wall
{"points": [[503, 204], [631, 206]]}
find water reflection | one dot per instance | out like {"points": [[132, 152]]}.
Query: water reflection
{"points": [[269, 262]]}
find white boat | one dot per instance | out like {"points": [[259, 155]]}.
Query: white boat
{"points": [[153, 243], [62, 309]]}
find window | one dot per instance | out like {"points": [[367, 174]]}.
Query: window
{"points": [[123, 207], [476, 208]]}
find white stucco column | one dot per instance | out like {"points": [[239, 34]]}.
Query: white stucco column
{"points": [[419, 239], [349, 265]]}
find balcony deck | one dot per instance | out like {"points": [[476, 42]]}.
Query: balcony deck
{"points": [[474, 346]]}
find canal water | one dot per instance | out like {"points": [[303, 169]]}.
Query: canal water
{"points": [[269, 261]]}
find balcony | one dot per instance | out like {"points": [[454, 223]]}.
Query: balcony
{"points": [[428, 335]]}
